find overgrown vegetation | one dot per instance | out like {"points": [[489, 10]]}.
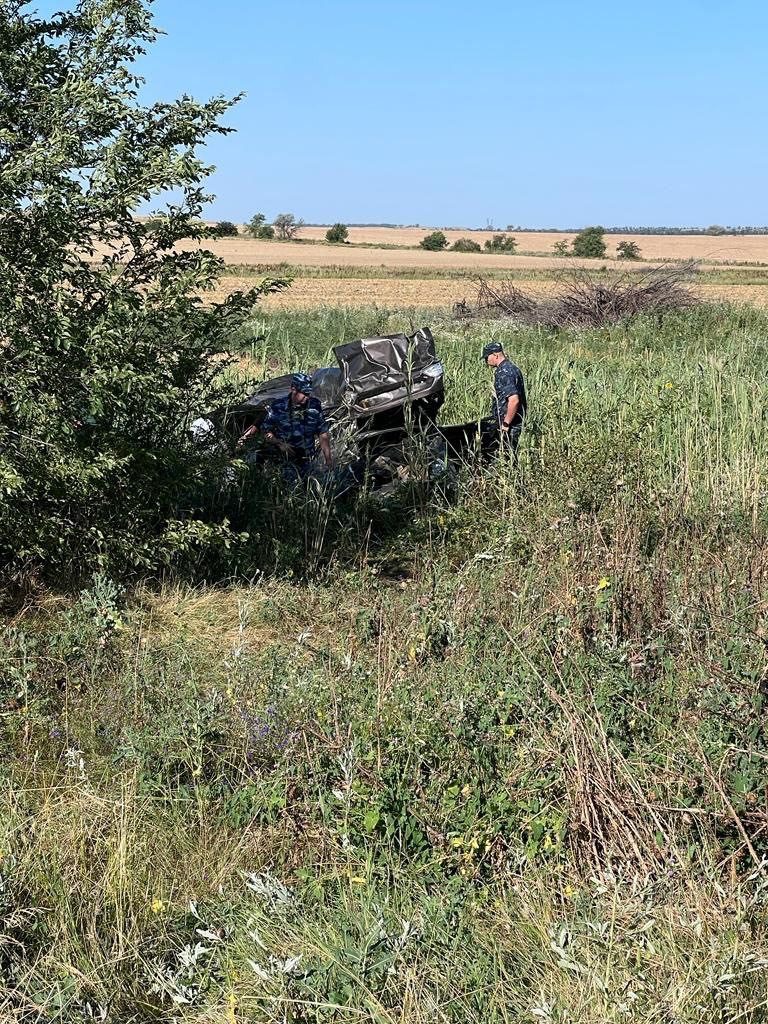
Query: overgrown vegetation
{"points": [[107, 352], [503, 755]]}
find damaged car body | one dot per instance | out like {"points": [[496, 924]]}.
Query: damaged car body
{"points": [[384, 391]]}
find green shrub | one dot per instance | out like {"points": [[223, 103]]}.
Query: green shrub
{"points": [[266, 231], [628, 251], [226, 229], [561, 248], [337, 233], [501, 243], [590, 243], [103, 362], [434, 242], [466, 245], [255, 224]]}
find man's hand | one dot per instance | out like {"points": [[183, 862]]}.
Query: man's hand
{"points": [[325, 448]]}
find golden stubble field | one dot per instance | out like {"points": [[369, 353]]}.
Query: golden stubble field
{"points": [[438, 293]]}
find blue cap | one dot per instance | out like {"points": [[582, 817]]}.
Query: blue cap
{"points": [[491, 348], [302, 382]]}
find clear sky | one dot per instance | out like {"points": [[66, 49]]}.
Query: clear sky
{"points": [[448, 112]]}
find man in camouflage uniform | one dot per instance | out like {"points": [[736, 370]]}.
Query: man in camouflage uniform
{"points": [[296, 425], [509, 401]]}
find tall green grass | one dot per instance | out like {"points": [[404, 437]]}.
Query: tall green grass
{"points": [[492, 756]]}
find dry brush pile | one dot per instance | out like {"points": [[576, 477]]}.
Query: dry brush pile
{"points": [[585, 300]]}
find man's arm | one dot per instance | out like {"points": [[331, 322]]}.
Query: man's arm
{"points": [[325, 447], [513, 404]]}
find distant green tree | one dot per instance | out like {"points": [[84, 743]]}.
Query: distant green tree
{"points": [[716, 229], [106, 352], [266, 231], [434, 242], [466, 245], [590, 243], [501, 243], [561, 247], [255, 224], [337, 233], [226, 229], [628, 251]]}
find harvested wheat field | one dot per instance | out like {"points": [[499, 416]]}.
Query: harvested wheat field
{"points": [[312, 292], [709, 248], [710, 251]]}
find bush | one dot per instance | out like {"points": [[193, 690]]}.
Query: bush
{"points": [[101, 371], [590, 243], [561, 248], [286, 226], [226, 229], [501, 243], [466, 245], [434, 242], [628, 251], [337, 233], [266, 231]]}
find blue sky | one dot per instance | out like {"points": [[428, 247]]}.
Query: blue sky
{"points": [[551, 113]]}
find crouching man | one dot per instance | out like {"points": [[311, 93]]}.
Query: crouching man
{"points": [[296, 425]]}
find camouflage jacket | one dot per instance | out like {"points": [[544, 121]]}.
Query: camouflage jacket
{"points": [[298, 425]]}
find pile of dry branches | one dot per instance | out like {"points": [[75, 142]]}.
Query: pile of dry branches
{"points": [[583, 300]]}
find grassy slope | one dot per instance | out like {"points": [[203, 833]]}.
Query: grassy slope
{"points": [[506, 752]]}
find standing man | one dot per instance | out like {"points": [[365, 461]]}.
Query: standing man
{"points": [[296, 424], [509, 401]]}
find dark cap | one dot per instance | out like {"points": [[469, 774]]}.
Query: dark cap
{"points": [[490, 348], [302, 382]]}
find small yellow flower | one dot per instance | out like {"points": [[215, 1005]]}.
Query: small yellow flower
{"points": [[499, 694], [603, 584], [411, 653], [569, 891], [441, 520], [668, 384], [157, 906], [358, 880], [458, 841]]}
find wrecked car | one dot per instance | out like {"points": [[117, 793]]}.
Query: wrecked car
{"points": [[383, 391]]}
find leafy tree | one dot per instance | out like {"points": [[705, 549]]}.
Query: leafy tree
{"points": [[434, 242], [501, 243], [107, 352], [226, 229], [716, 229], [590, 243], [266, 231], [255, 224], [286, 225], [628, 251], [337, 233], [466, 245], [561, 248]]}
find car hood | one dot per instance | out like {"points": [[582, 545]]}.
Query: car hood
{"points": [[383, 372]]}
